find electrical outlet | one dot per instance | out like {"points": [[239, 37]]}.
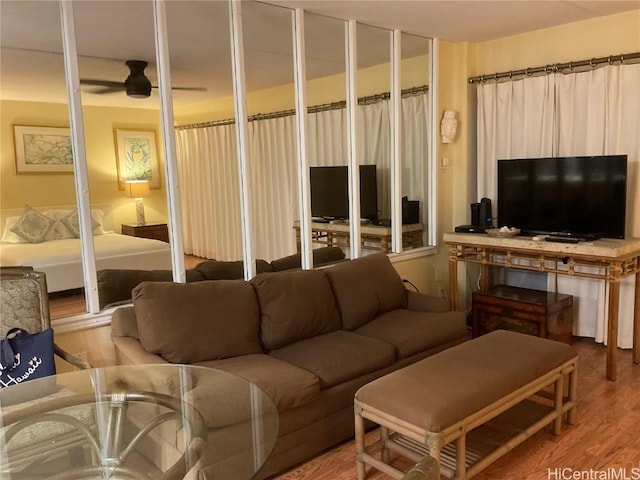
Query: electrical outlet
{"points": [[437, 273]]}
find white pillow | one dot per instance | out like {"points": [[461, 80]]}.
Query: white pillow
{"points": [[33, 225], [7, 235], [67, 224]]}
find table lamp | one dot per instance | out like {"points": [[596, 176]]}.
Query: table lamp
{"points": [[137, 189]]}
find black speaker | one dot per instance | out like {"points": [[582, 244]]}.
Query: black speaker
{"points": [[410, 211], [475, 214], [486, 217]]}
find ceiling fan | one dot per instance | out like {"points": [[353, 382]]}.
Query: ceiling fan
{"points": [[136, 85]]}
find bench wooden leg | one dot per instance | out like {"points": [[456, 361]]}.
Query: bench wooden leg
{"points": [[573, 393], [461, 456], [359, 427], [384, 437], [557, 402]]}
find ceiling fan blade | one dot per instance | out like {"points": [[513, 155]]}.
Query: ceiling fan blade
{"points": [[191, 89], [107, 90], [102, 83]]}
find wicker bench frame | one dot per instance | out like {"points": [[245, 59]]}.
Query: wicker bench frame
{"points": [[413, 442]]}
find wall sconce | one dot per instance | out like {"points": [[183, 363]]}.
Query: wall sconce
{"points": [[137, 189], [448, 126]]}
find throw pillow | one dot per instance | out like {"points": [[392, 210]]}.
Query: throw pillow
{"points": [[70, 221], [32, 225], [7, 235]]}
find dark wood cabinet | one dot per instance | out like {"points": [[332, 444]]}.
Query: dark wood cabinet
{"points": [[157, 231], [545, 314]]}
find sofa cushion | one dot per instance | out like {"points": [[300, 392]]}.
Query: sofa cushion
{"points": [[294, 305], [287, 385], [365, 288], [193, 322], [413, 332], [221, 270], [338, 357]]}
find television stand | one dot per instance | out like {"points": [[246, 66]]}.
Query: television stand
{"points": [[372, 237], [607, 259]]}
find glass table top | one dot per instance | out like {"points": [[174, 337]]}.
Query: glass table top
{"points": [[156, 422]]}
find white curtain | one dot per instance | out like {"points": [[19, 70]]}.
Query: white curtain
{"points": [[589, 113], [208, 173], [273, 186], [209, 192], [515, 120], [415, 150]]}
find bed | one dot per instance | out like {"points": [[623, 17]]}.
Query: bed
{"points": [[58, 254]]}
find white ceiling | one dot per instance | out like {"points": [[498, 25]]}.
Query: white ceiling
{"points": [[31, 65]]}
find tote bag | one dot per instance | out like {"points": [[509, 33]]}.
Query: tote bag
{"points": [[25, 356]]}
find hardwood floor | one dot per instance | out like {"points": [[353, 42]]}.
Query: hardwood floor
{"points": [[603, 442]]}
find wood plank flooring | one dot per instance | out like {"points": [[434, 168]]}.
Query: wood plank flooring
{"points": [[604, 439]]}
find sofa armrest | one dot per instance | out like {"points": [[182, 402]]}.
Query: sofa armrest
{"points": [[124, 323], [421, 302], [129, 351]]}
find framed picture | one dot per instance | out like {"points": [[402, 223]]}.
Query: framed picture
{"points": [[43, 149], [136, 157]]}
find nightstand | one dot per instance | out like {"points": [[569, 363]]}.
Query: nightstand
{"points": [[157, 231]]}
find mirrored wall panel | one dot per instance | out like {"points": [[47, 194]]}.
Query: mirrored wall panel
{"points": [[273, 165], [37, 189], [327, 136], [208, 173], [374, 137], [415, 140]]}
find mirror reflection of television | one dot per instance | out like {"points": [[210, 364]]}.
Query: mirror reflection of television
{"points": [[577, 196], [330, 192]]}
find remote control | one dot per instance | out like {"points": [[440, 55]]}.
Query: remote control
{"points": [[562, 239]]}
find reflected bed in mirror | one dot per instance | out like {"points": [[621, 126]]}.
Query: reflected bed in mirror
{"points": [[58, 254]]}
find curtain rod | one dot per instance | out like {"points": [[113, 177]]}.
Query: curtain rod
{"points": [[557, 67], [371, 99]]}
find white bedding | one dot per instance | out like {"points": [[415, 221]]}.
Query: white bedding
{"points": [[61, 259]]}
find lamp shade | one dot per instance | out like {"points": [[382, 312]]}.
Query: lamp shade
{"points": [[136, 188]]}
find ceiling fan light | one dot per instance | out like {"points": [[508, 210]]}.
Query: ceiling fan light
{"points": [[137, 85]]}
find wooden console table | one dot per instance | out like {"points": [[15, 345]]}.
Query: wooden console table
{"points": [[373, 237], [613, 259]]}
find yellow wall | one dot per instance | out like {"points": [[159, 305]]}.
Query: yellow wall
{"points": [[59, 189], [599, 37]]}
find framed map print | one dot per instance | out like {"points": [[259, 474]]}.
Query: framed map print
{"points": [[136, 157], [43, 149]]}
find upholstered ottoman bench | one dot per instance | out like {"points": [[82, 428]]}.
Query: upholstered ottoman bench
{"points": [[468, 405]]}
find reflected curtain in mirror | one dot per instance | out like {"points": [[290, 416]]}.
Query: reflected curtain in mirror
{"points": [[207, 159]]}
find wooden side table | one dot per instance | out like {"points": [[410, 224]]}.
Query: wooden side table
{"points": [[156, 231]]}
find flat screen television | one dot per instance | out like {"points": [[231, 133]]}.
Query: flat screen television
{"points": [[576, 196], [330, 192]]}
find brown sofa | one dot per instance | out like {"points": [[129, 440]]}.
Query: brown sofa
{"points": [[308, 338], [115, 285]]}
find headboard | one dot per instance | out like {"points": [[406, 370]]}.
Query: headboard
{"points": [[108, 220]]}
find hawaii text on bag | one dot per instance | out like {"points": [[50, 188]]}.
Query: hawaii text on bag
{"points": [[25, 356]]}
